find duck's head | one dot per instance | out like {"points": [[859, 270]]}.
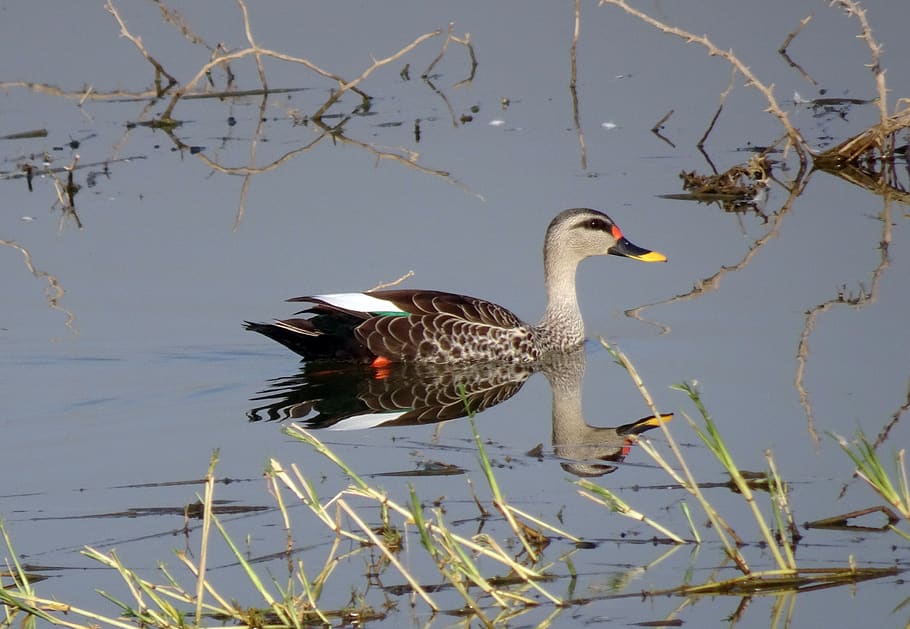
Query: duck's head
{"points": [[581, 232]]}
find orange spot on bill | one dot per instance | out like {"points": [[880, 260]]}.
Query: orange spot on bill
{"points": [[381, 361], [617, 232]]}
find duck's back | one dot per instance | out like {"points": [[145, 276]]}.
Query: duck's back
{"points": [[404, 326]]}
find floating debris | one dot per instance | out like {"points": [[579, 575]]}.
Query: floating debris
{"points": [[740, 187]]}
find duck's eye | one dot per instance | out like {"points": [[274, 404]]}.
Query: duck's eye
{"points": [[599, 224]]}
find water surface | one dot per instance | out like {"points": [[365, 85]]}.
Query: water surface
{"points": [[155, 371]]}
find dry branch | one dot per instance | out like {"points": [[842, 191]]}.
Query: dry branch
{"points": [[249, 38], [853, 8], [871, 140], [377, 63], [383, 285], [783, 50], [796, 139], [54, 290], [170, 16], [137, 41], [895, 418], [658, 126], [573, 79], [221, 57], [720, 107]]}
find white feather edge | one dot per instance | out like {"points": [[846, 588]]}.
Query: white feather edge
{"points": [[360, 422], [359, 302], [293, 328]]}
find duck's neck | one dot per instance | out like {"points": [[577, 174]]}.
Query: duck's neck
{"points": [[561, 327]]}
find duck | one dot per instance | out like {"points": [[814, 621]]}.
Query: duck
{"points": [[428, 326]]}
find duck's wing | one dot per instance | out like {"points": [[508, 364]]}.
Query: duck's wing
{"points": [[426, 326], [468, 309], [413, 302]]}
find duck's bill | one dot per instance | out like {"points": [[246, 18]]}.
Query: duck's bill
{"points": [[626, 249]]}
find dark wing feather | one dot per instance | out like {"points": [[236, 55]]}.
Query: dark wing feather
{"points": [[439, 327], [326, 336], [431, 302]]}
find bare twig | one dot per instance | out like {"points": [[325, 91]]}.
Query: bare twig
{"points": [[862, 298], [171, 16], [853, 8], [259, 52], [712, 283], [54, 291], [392, 283], [796, 139], [219, 50], [466, 42], [442, 51], [66, 193], [221, 58], [137, 41], [852, 149], [573, 81], [407, 157], [445, 100], [656, 129], [720, 108], [81, 95], [254, 143], [377, 63], [249, 38], [886, 430], [783, 49], [427, 77], [40, 172]]}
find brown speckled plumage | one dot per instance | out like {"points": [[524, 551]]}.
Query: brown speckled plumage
{"points": [[436, 327]]}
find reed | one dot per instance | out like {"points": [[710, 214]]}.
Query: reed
{"points": [[494, 585], [786, 575], [890, 485]]}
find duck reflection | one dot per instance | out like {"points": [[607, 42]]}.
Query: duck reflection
{"points": [[354, 397], [587, 450]]}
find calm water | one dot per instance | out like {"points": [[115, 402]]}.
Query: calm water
{"points": [[154, 371]]}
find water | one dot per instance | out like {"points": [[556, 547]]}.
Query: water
{"points": [[156, 371]]}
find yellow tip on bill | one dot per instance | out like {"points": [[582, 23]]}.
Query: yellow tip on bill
{"points": [[653, 422], [652, 256]]}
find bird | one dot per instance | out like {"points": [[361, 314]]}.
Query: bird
{"points": [[427, 326]]}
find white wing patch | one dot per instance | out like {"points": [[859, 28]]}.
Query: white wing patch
{"points": [[370, 420], [359, 302]]}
